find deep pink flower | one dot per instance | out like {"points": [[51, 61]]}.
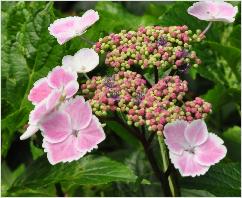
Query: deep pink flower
{"points": [[192, 149], [47, 94], [67, 28], [213, 11], [71, 132]]}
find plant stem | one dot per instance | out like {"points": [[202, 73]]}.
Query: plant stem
{"points": [[156, 74], [165, 162], [59, 191], [87, 40], [206, 29], [147, 82], [86, 76], [150, 155]]}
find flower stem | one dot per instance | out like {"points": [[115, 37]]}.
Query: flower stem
{"points": [[156, 74], [87, 40], [206, 29], [165, 163], [59, 191], [150, 155], [86, 76]]}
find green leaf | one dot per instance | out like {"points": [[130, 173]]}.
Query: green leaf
{"points": [[232, 138], [224, 104], [48, 191], [123, 133], [217, 66], [6, 178], [9, 176], [235, 37], [36, 152], [230, 54], [221, 180], [195, 193], [29, 53], [90, 170]]}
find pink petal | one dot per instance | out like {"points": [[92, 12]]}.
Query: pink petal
{"points": [[89, 137], [53, 99], [62, 25], [80, 112], [38, 113], [203, 10], [213, 11], [35, 117], [59, 77], [88, 19], [196, 133], [62, 152], [174, 134], [65, 36], [31, 130], [187, 165], [56, 126], [226, 12], [71, 88], [211, 151], [40, 91], [64, 29]]}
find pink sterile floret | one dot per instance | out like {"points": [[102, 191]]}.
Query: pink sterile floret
{"points": [[47, 93], [67, 28], [58, 80], [191, 148], [71, 131], [213, 11]]}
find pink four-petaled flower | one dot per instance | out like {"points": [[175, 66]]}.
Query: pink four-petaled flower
{"points": [[192, 149], [47, 93], [213, 11], [67, 28], [71, 132]]}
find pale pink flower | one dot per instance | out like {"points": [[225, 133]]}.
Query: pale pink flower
{"points": [[192, 149], [71, 132], [83, 61], [213, 11], [40, 110], [47, 93], [59, 82], [67, 28]]}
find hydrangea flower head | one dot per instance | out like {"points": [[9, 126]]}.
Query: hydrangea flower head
{"points": [[83, 61], [119, 92], [71, 132], [213, 11], [67, 28], [151, 46], [164, 103], [192, 149]]}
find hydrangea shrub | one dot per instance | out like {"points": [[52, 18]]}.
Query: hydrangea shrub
{"points": [[71, 114]]}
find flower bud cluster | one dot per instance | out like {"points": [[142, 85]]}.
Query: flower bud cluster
{"points": [[162, 47], [120, 92], [163, 103], [196, 109]]}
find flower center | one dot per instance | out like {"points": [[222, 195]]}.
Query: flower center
{"points": [[109, 82], [75, 132], [191, 150]]}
